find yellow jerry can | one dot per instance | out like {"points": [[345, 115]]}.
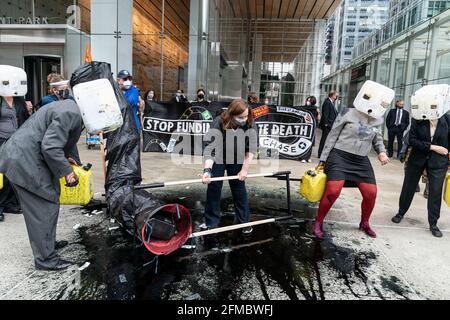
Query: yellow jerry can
{"points": [[313, 185], [83, 193], [1, 181], [447, 190]]}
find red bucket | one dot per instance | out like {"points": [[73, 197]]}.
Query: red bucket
{"points": [[183, 226]]}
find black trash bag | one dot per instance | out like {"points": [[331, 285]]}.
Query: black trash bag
{"points": [[123, 147], [128, 211]]}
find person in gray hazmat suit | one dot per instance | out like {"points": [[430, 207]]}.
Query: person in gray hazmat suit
{"points": [[34, 159]]}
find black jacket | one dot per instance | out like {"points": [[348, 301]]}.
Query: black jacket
{"points": [[392, 116], [21, 110], [329, 114], [420, 141]]}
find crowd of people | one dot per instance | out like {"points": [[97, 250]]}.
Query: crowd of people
{"points": [[38, 148]]}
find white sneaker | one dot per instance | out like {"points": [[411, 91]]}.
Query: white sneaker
{"points": [[247, 231], [303, 161]]}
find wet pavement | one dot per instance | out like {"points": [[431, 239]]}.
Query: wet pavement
{"points": [[277, 261]]}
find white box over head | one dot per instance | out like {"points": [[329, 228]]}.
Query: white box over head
{"points": [[98, 105], [13, 81], [430, 102], [374, 99]]}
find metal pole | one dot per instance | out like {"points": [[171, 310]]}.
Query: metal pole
{"points": [[288, 193], [162, 48]]}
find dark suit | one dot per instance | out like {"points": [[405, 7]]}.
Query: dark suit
{"points": [[329, 114], [422, 158], [34, 159], [396, 131]]}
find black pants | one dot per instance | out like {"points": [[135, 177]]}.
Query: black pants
{"points": [[325, 133], [393, 133], [8, 197], [436, 179], [238, 190], [307, 155]]}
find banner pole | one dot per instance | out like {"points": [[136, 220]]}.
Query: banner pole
{"points": [[102, 149]]}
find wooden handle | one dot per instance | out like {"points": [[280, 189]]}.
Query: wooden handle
{"points": [[102, 149], [175, 183], [239, 226]]}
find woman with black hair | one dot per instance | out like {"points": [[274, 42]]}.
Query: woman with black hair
{"points": [[310, 105]]}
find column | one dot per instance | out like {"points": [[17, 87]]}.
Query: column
{"points": [[112, 29]]}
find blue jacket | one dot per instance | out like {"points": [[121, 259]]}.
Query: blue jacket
{"points": [[132, 96], [46, 100]]}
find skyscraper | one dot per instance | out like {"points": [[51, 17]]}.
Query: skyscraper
{"points": [[352, 21]]}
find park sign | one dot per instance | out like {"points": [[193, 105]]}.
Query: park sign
{"points": [[24, 20]]}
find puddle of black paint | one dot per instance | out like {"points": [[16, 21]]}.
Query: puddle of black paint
{"points": [[280, 256]]}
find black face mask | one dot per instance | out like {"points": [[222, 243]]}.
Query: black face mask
{"points": [[65, 94], [201, 96]]}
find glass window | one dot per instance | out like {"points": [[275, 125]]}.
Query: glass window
{"points": [[420, 48], [383, 68], [400, 57], [442, 68]]}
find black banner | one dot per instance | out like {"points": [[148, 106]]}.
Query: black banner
{"points": [[286, 131]]}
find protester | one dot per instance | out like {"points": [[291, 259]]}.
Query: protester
{"points": [[429, 139], [179, 97], [345, 155], [253, 98], [397, 121], [131, 93], [329, 114], [310, 105], [233, 157], [58, 90], [34, 159], [150, 96], [14, 111], [201, 98]]}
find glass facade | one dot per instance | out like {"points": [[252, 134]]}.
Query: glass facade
{"points": [[278, 59], [353, 21], [419, 56]]}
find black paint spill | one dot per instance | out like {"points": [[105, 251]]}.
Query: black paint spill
{"points": [[278, 261]]}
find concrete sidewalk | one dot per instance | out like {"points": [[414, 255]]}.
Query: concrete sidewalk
{"points": [[407, 253]]}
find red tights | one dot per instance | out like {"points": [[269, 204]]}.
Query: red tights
{"points": [[368, 191]]}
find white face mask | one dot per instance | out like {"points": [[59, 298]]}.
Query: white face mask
{"points": [[13, 81], [178, 94], [308, 103], [127, 84], [150, 96], [373, 99], [430, 102]]}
